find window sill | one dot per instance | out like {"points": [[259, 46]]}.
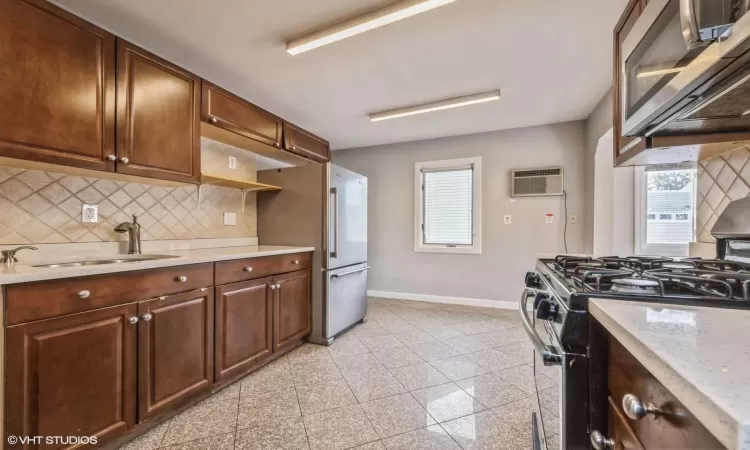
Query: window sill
{"points": [[465, 250]]}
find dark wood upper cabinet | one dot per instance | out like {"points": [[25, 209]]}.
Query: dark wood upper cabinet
{"points": [[244, 322], [175, 350], [624, 25], [72, 375], [303, 143], [158, 117], [57, 74], [226, 110], [291, 307]]}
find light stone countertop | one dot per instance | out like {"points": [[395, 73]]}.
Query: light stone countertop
{"points": [[23, 274], [702, 355]]}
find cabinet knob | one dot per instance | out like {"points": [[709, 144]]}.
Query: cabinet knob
{"points": [[84, 294], [296, 261], [182, 278], [133, 320], [248, 269], [278, 285], [599, 442], [213, 120], [146, 317], [111, 158], [272, 286], [635, 409], [124, 160]]}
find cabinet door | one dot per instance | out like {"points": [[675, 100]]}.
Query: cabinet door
{"points": [[244, 321], [234, 114], [299, 141], [175, 350], [72, 375], [57, 74], [158, 117], [291, 308]]}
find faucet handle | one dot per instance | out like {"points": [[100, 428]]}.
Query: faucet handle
{"points": [[9, 256]]}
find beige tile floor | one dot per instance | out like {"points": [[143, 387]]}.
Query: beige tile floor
{"points": [[415, 376]]}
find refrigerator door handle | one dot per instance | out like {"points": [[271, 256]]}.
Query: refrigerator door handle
{"points": [[338, 275], [335, 195]]}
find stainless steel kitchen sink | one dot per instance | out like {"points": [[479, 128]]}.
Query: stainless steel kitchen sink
{"points": [[96, 262]]}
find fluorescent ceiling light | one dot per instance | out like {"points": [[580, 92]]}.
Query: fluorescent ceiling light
{"points": [[366, 22], [436, 106], [658, 72]]}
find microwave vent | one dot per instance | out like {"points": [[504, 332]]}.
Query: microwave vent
{"points": [[537, 182]]}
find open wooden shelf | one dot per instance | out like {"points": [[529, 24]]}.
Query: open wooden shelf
{"points": [[250, 186]]}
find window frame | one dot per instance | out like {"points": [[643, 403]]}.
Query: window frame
{"points": [[476, 191], [642, 247]]}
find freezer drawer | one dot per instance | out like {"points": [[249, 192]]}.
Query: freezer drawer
{"points": [[346, 290]]}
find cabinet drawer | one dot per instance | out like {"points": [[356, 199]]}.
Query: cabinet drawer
{"points": [[251, 268], [234, 114], [33, 301], [676, 427]]}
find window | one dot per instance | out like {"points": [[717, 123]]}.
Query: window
{"points": [[448, 204], [665, 200]]}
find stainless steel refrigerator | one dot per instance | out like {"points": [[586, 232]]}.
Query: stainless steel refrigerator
{"points": [[324, 206]]}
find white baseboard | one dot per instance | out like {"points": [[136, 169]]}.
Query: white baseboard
{"points": [[448, 300]]}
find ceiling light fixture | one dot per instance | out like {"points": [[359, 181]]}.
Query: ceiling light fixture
{"points": [[365, 22], [436, 106], [658, 72]]}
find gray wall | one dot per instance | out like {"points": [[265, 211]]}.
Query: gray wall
{"points": [[598, 123], [508, 250]]}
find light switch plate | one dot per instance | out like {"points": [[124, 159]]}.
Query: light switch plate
{"points": [[232, 162], [230, 218], [90, 213], [506, 218]]}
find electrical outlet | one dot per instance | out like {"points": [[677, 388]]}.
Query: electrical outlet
{"points": [[90, 214], [573, 219], [232, 162], [230, 218], [507, 219]]}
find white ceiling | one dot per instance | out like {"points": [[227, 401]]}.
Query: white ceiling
{"points": [[550, 58]]}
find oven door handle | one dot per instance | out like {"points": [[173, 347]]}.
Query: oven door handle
{"points": [[549, 354]]}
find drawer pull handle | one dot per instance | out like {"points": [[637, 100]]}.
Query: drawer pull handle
{"points": [[163, 297], [84, 294], [296, 261], [248, 269], [635, 409], [146, 317], [599, 442], [133, 320], [182, 278], [213, 120]]}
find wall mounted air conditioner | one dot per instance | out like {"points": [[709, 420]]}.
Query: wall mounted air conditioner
{"points": [[537, 182]]}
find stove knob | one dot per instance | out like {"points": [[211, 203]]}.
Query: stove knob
{"points": [[532, 280], [540, 296], [547, 309]]}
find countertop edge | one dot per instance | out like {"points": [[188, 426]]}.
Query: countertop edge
{"points": [[721, 424], [180, 260]]}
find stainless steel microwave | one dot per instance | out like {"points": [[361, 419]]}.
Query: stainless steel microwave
{"points": [[686, 69]]}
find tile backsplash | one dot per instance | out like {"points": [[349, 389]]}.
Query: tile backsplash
{"points": [[721, 180], [45, 207]]}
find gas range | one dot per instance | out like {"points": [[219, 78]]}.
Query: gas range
{"points": [[565, 337]]}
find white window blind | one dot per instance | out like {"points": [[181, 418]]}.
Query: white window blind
{"points": [[448, 206]]}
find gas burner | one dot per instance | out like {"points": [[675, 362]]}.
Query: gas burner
{"points": [[639, 286]]}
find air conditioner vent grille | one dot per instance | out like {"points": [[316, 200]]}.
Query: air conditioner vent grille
{"points": [[537, 182]]}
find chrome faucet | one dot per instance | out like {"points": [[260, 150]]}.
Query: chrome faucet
{"points": [[8, 257], [134, 235]]}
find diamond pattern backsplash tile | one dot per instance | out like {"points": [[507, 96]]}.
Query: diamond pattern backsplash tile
{"points": [[44, 207], [721, 180]]}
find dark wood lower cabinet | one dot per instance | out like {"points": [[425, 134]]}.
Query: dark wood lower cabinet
{"points": [[72, 376], [623, 437], [175, 350], [291, 308], [244, 324]]}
